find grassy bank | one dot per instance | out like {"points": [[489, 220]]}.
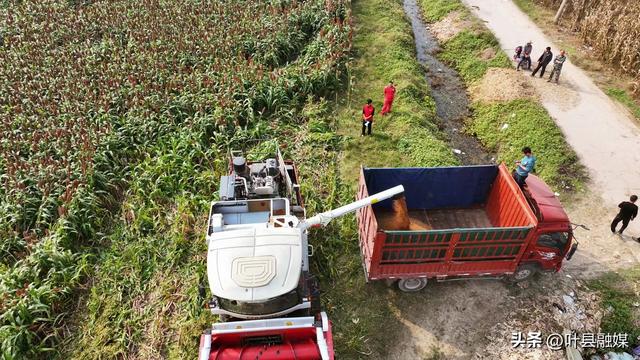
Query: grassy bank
{"points": [[508, 127], [436, 10], [625, 99], [383, 50], [472, 50], [620, 298], [410, 134], [504, 127], [465, 53]]}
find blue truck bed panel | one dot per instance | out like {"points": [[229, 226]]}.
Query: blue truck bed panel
{"points": [[435, 188]]}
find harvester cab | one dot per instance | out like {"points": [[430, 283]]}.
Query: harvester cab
{"points": [[258, 269]]}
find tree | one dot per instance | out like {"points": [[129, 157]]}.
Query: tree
{"points": [[560, 10]]}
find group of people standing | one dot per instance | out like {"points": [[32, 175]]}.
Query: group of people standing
{"points": [[368, 110], [523, 57]]}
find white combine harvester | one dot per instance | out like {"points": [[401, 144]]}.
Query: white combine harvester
{"points": [[258, 266]]}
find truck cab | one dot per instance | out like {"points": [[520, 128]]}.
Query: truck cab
{"points": [[554, 234]]}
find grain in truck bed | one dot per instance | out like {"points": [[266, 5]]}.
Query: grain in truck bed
{"points": [[439, 218]]}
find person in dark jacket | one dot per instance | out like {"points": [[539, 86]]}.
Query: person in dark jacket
{"points": [[543, 61], [628, 211]]}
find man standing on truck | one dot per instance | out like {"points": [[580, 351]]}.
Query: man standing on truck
{"points": [[367, 117], [389, 94], [524, 166], [628, 211]]}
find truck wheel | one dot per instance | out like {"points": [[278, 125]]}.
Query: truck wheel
{"points": [[412, 285], [524, 272]]}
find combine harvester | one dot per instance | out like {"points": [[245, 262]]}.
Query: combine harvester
{"points": [[258, 265]]}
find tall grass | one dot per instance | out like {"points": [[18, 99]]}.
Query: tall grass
{"points": [[131, 93]]}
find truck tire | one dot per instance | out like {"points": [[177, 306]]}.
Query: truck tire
{"points": [[524, 272], [412, 285]]}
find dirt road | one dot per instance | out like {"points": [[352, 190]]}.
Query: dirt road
{"points": [[603, 134]]}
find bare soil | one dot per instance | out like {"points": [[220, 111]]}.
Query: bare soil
{"points": [[449, 26], [502, 85]]}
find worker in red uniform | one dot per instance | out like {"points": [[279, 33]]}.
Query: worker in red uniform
{"points": [[367, 117], [389, 94]]}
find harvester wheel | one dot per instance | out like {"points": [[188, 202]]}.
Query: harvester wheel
{"points": [[412, 285], [524, 272]]}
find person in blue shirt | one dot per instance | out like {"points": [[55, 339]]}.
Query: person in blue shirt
{"points": [[524, 166]]}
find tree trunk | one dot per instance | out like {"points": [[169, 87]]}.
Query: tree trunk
{"points": [[560, 11]]}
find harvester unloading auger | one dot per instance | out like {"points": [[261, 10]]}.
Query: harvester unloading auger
{"points": [[258, 266]]}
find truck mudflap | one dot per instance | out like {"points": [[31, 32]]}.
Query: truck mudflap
{"points": [[301, 338]]}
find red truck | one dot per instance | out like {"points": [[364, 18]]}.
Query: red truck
{"points": [[466, 222]]}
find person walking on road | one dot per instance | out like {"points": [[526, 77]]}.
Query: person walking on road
{"points": [[543, 61], [526, 56], [389, 94], [628, 211], [367, 117], [557, 66], [524, 166]]}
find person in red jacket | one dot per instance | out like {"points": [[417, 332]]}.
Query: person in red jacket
{"points": [[389, 94], [367, 117]]}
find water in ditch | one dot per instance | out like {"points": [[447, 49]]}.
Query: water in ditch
{"points": [[448, 91]]}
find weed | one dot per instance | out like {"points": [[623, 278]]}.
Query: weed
{"points": [[434, 354]]}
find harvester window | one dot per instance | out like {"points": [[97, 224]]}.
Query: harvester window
{"points": [[556, 240]]}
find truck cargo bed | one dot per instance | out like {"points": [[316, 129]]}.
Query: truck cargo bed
{"points": [[463, 221]]}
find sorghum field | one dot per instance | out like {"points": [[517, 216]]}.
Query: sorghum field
{"points": [[115, 117]]}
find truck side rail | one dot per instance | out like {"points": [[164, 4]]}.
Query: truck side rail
{"points": [[451, 251], [471, 244]]}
